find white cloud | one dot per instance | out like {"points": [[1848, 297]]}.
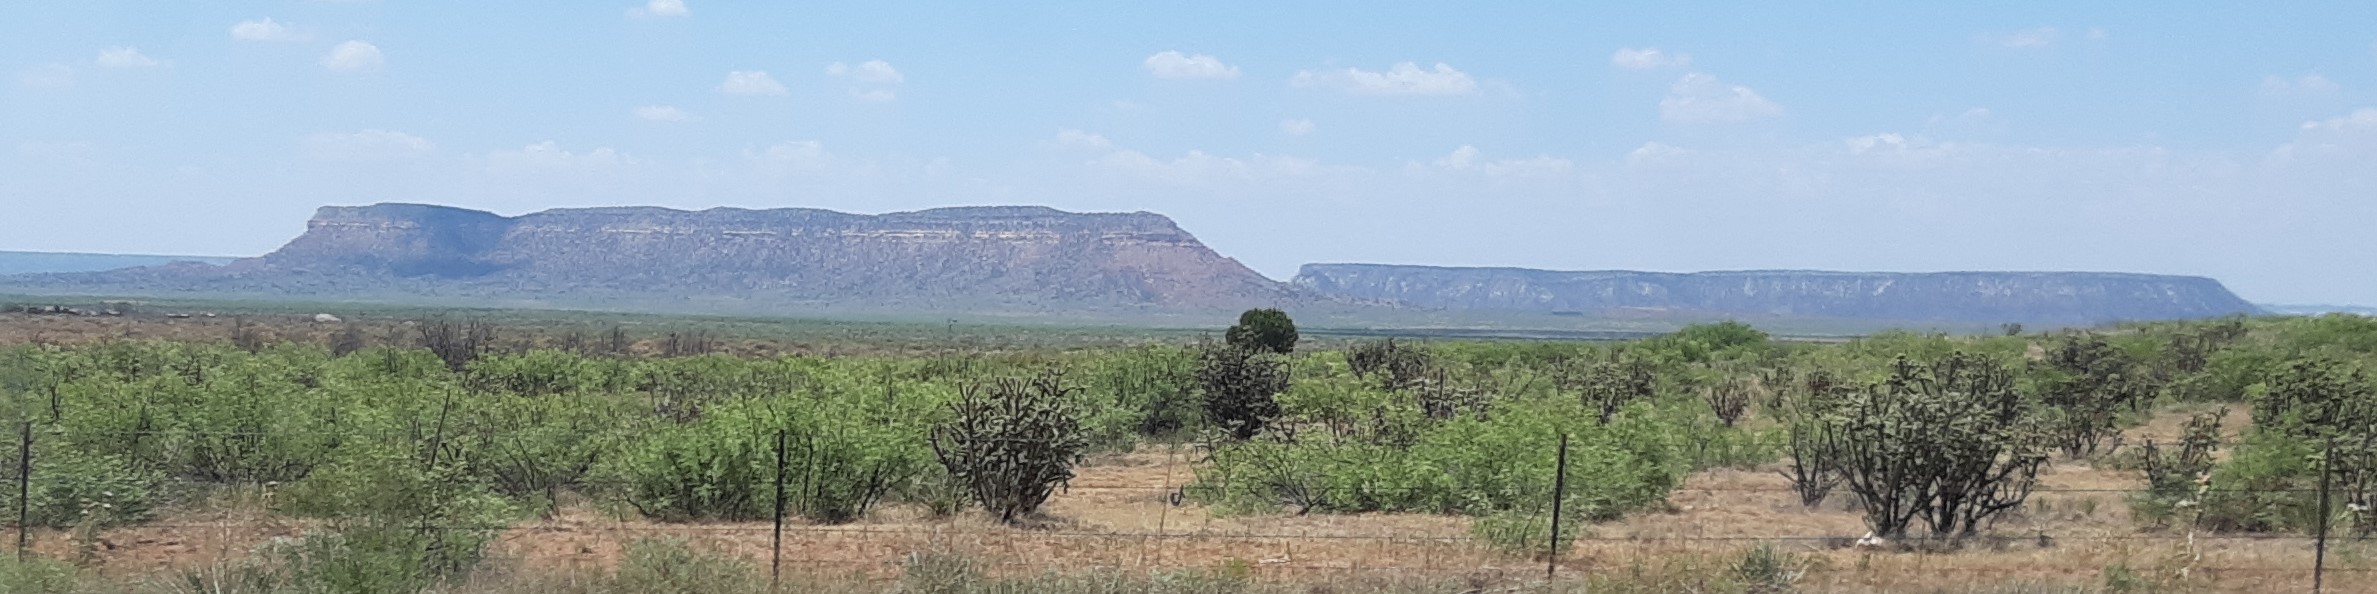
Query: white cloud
{"points": [[1072, 138], [47, 76], [1194, 168], [871, 81], [1653, 153], [751, 83], [1463, 157], [875, 72], [266, 30], [1886, 141], [1702, 99], [1296, 127], [1403, 79], [353, 56], [1176, 65], [2042, 37], [662, 113], [1199, 167], [2307, 85], [1648, 58], [2349, 139], [366, 145], [2097, 34], [660, 9], [1468, 159], [126, 57], [548, 156], [2360, 120]]}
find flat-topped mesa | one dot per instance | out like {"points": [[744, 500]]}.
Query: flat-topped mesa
{"points": [[1964, 297], [404, 239], [1018, 254]]}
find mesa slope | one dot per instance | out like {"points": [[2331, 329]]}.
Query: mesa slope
{"points": [[2056, 298], [974, 258], [1037, 262]]}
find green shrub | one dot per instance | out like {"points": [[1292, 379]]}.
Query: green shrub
{"points": [[540, 372], [673, 567], [1148, 391], [72, 486], [36, 576], [1240, 388], [697, 472], [838, 465], [395, 522], [2176, 474], [1713, 445], [2269, 485], [378, 559], [1462, 466], [1699, 343]]}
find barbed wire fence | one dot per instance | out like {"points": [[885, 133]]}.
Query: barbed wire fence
{"points": [[881, 550]]}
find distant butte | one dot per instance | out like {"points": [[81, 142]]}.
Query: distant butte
{"points": [[1030, 259], [992, 258], [2058, 298]]}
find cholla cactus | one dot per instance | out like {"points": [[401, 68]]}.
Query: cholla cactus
{"points": [[1012, 443]]}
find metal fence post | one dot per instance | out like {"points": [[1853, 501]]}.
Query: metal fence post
{"points": [[24, 489], [776, 543], [1559, 501], [2319, 550]]}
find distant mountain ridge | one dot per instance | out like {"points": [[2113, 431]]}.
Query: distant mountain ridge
{"points": [[2297, 309], [54, 262], [2073, 298], [999, 260], [947, 258]]}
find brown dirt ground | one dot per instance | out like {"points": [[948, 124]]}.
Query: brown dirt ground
{"points": [[1117, 516]]}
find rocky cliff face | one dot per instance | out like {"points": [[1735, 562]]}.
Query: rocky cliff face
{"points": [[1968, 297], [1043, 261], [952, 257]]}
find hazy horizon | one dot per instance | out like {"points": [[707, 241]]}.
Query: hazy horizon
{"points": [[2237, 143]]}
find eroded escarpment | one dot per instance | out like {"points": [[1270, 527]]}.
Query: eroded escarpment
{"points": [[1975, 297]]}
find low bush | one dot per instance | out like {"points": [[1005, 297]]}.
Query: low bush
{"points": [[1462, 466], [73, 487], [672, 567]]}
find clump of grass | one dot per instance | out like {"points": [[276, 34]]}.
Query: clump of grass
{"points": [[673, 567], [1523, 535], [1764, 570]]}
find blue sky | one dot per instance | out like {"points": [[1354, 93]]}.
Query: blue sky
{"points": [[2238, 142]]}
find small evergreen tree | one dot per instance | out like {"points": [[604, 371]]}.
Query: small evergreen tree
{"points": [[1265, 330]]}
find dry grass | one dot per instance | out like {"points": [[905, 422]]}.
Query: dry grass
{"points": [[1118, 518]]}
